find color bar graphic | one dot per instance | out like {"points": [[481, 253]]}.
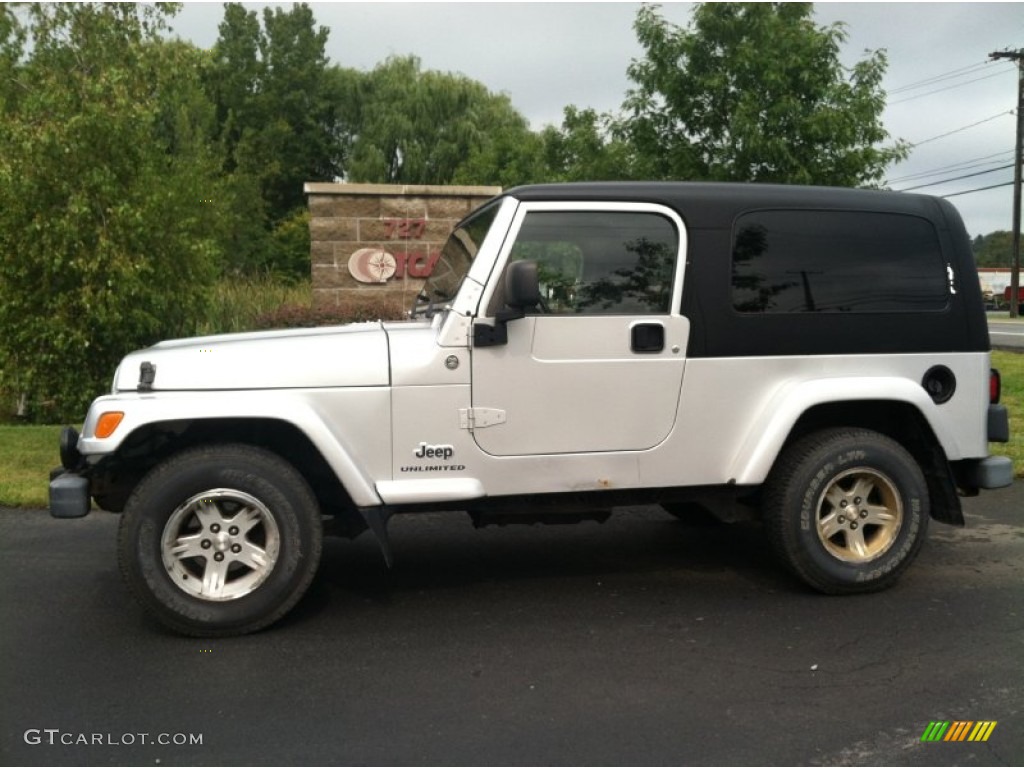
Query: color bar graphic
{"points": [[935, 730], [982, 730], [958, 730]]}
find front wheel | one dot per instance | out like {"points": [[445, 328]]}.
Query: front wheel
{"points": [[847, 510], [220, 540]]}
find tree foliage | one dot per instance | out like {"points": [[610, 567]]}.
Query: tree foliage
{"points": [[420, 127], [755, 92], [276, 116], [107, 235], [274, 109], [994, 249], [587, 147]]}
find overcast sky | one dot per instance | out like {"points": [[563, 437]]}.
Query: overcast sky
{"points": [[548, 55]]}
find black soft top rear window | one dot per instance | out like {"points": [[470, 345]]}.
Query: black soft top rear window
{"points": [[787, 261]]}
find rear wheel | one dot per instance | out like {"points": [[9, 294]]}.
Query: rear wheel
{"points": [[220, 540], [847, 510]]}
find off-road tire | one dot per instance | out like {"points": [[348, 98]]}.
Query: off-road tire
{"points": [[216, 501], [846, 510]]}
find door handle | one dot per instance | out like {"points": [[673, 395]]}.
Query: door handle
{"points": [[647, 338]]}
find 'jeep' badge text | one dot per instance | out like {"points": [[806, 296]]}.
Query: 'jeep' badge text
{"points": [[434, 452]]}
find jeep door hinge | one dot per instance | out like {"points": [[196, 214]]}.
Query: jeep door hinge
{"points": [[478, 418]]}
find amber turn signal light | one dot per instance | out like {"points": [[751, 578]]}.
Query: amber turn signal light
{"points": [[108, 422]]}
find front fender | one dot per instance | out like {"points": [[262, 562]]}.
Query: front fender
{"points": [[350, 427]]}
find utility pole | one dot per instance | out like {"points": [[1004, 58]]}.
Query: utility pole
{"points": [[1017, 56]]}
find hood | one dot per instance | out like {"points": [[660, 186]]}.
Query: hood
{"points": [[342, 356]]}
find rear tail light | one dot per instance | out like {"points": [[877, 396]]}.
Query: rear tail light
{"points": [[995, 386]]}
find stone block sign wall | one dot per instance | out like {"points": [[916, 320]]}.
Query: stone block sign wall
{"points": [[380, 241]]}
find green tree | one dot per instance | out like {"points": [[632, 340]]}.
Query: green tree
{"points": [[507, 153], [755, 92], [108, 197], [278, 111], [994, 249], [420, 127], [12, 41], [587, 147]]}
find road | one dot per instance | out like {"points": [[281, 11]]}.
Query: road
{"points": [[639, 642], [1006, 335]]}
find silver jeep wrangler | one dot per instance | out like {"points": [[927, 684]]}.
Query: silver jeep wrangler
{"points": [[816, 358]]}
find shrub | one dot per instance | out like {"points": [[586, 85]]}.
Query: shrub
{"points": [[294, 316], [108, 201], [236, 302]]}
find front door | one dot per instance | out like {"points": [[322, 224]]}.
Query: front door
{"points": [[598, 364]]}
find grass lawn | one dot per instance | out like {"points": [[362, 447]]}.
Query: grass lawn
{"points": [[27, 454], [1011, 368]]}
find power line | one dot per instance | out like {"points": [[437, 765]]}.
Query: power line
{"points": [[963, 165], [955, 166], [948, 87], [951, 75], [957, 178], [961, 129], [980, 188]]}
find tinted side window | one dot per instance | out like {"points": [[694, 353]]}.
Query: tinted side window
{"points": [[601, 262], [836, 261]]}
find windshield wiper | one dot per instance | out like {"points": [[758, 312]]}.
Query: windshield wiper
{"points": [[433, 307], [417, 308]]}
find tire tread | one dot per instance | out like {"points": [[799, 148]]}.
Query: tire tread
{"points": [[778, 502], [260, 462]]}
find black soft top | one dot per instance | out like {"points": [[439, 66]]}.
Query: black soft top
{"points": [[715, 205], [709, 211]]}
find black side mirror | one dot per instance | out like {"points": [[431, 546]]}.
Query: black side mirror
{"points": [[522, 285], [522, 291]]}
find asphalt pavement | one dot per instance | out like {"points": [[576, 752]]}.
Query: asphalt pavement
{"points": [[638, 642], [1006, 335]]}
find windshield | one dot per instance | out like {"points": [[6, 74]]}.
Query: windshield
{"points": [[456, 257]]}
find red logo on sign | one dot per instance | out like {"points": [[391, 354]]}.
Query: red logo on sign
{"points": [[375, 265]]}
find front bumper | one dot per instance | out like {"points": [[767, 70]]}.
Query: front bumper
{"points": [[69, 491], [69, 495]]}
